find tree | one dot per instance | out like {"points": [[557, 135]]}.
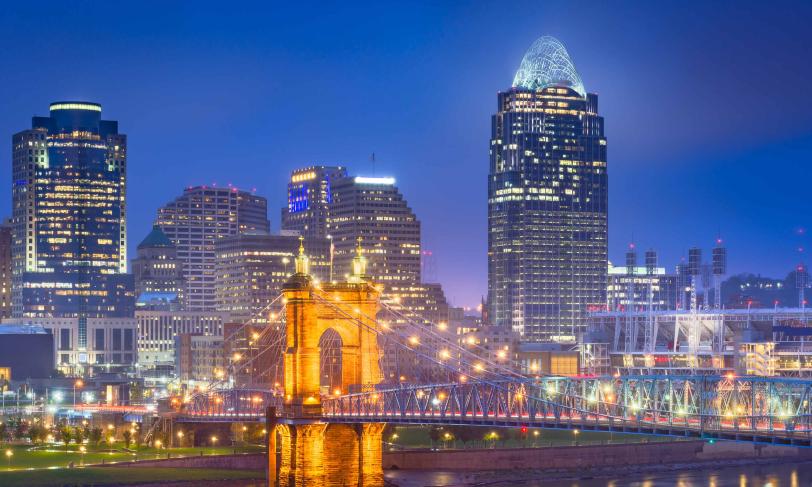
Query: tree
{"points": [[78, 435], [128, 438], [95, 436], [35, 433], [3, 432], [65, 435], [20, 430], [465, 433], [435, 433]]}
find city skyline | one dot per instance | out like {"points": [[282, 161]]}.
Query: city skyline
{"points": [[717, 154]]}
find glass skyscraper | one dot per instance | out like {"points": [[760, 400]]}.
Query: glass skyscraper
{"points": [[69, 217], [547, 200], [195, 220]]}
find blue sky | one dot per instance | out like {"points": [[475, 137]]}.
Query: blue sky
{"points": [[707, 105]]}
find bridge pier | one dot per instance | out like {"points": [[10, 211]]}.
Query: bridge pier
{"points": [[332, 455]]}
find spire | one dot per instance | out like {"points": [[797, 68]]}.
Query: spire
{"points": [[302, 262], [359, 263]]}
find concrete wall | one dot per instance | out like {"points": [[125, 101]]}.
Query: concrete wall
{"points": [[254, 461], [563, 457]]}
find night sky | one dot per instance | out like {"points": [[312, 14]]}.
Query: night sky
{"points": [[708, 108]]}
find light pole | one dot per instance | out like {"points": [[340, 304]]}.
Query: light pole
{"points": [[78, 384], [9, 454], [332, 252], [285, 262], [180, 438]]}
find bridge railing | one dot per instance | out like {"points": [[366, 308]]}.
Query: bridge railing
{"points": [[696, 403]]}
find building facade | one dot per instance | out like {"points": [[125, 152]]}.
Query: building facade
{"points": [[5, 270], [158, 273], [640, 288], [325, 202], [110, 345], [310, 195], [547, 200], [157, 332], [195, 220], [251, 269], [69, 217], [200, 357]]}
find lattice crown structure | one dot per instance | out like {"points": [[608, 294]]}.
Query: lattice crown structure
{"points": [[545, 64]]}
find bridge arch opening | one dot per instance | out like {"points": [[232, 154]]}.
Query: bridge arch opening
{"points": [[330, 362]]}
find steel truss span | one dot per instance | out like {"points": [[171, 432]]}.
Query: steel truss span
{"points": [[752, 409], [229, 405]]}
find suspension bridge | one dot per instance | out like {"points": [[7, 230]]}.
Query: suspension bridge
{"points": [[435, 380]]}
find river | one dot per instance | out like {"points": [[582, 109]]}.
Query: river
{"points": [[770, 475]]}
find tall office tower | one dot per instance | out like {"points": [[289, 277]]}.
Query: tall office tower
{"points": [[251, 270], [69, 217], [325, 202], [374, 210], [547, 200], [309, 196], [158, 273], [5, 270], [195, 220]]}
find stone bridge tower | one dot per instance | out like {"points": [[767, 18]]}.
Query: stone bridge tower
{"points": [[313, 451]]}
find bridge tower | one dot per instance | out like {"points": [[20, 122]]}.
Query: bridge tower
{"points": [[315, 452]]}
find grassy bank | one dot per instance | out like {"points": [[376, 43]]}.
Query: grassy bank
{"points": [[110, 476], [26, 457]]}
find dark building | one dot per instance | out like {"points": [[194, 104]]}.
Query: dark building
{"points": [[195, 220], [310, 195], [158, 274], [5, 270], [547, 200], [69, 217], [27, 350]]}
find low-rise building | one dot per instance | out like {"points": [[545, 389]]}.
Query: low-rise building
{"points": [[157, 331], [199, 357], [111, 343]]}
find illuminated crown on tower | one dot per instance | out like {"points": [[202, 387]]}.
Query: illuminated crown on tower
{"points": [[359, 264], [302, 262]]}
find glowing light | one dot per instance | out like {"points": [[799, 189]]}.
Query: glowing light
{"points": [[479, 367], [444, 354], [414, 340], [236, 357], [547, 64], [501, 354], [368, 180], [75, 106], [442, 326]]}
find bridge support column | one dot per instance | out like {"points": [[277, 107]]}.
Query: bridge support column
{"points": [[330, 455], [371, 451]]}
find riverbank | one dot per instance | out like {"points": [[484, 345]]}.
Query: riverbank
{"points": [[595, 476]]}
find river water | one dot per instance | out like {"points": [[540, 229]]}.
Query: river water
{"points": [[775, 475]]}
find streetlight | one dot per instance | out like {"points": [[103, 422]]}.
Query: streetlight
{"points": [[285, 262], [213, 440], [9, 454], [82, 451], [575, 433], [78, 384], [180, 438]]}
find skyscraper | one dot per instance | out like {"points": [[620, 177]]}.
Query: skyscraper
{"points": [[310, 194], [325, 202], [251, 270], [5, 270], [195, 220], [69, 217], [158, 272], [547, 200]]}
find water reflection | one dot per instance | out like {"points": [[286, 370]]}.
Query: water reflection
{"points": [[787, 475]]}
